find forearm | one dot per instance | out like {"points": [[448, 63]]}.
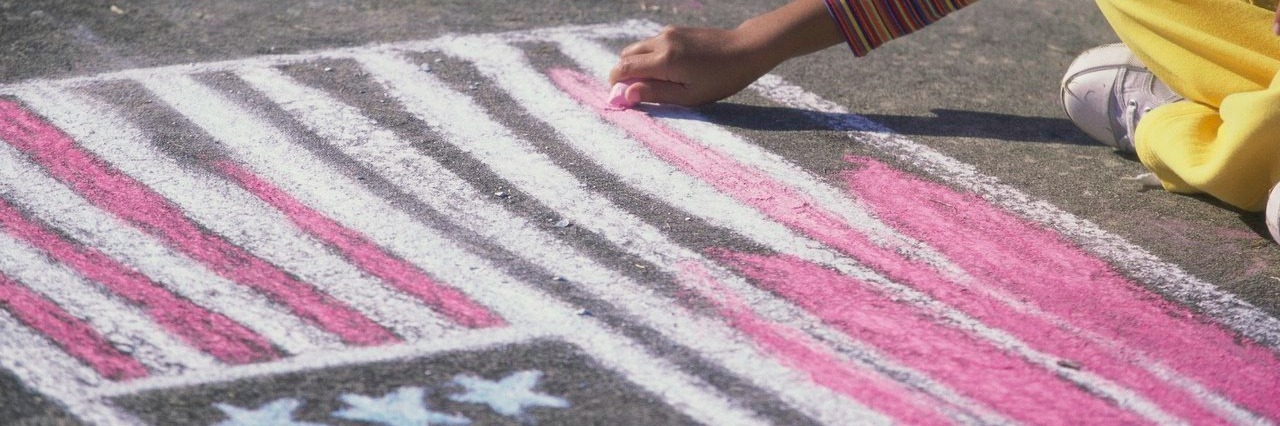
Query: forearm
{"points": [[798, 28]]}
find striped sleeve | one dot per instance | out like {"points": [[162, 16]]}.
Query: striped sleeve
{"points": [[866, 24]]}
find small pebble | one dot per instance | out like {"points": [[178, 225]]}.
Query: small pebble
{"points": [[1069, 364], [563, 223], [584, 313], [560, 278], [328, 69], [501, 194]]}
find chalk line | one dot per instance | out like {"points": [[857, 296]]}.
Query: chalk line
{"points": [[206, 331], [272, 154], [47, 369], [368, 256], [232, 213], [74, 335], [451, 341], [134, 202], [1039, 263], [122, 324], [802, 352], [27, 185]]}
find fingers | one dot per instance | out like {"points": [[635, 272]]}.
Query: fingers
{"points": [[640, 67], [661, 92], [638, 48], [629, 53]]}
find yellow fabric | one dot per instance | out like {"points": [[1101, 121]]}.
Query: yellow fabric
{"points": [[1224, 140]]}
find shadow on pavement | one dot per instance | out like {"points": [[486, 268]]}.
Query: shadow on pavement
{"points": [[945, 122]]}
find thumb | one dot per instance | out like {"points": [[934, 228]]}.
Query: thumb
{"points": [[660, 92]]}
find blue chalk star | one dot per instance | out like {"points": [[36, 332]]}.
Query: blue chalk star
{"points": [[508, 396], [274, 413], [404, 407]]}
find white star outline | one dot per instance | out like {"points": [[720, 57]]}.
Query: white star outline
{"points": [[403, 407], [508, 396], [274, 413]]}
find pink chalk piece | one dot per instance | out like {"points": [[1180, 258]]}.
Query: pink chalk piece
{"points": [[1053, 273], [798, 351], [212, 333], [794, 209], [365, 254], [72, 334], [135, 203], [618, 95]]}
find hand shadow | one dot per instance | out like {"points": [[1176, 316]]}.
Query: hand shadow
{"points": [[945, 122]]}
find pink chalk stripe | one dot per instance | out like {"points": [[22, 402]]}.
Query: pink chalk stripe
{"points": [[967, 364], [1039, 265], [68, 332], [133, 202], [210, 332], [365, 254], [799, 212], [800, 352]]}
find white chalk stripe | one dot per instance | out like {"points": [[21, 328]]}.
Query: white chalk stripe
{"points": [[68, 212], [233, 213], [596, 58], [623, 157], [277, 158], [121, 324], [44, 368], [451, 341], [394, 159]]}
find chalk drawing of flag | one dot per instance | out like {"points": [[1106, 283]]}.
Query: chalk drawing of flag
{"points": [[291, 241]]}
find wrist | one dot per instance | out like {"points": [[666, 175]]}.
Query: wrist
{"points": [[761, 43], [798, 28]]}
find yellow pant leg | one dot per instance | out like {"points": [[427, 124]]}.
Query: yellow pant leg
{"points": [[1231, 153], [1222, 56]]}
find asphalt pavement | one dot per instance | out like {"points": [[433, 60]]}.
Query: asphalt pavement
{"points": [[617, 325]]}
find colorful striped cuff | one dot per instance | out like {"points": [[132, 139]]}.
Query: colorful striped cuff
{"points": [[867, 24]]}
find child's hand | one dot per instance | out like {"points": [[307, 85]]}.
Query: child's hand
{"points": [[1276, 28], [692, 66]]}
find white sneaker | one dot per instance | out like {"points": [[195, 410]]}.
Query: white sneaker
{"points": [[1273, 213], [1107, 90]]}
